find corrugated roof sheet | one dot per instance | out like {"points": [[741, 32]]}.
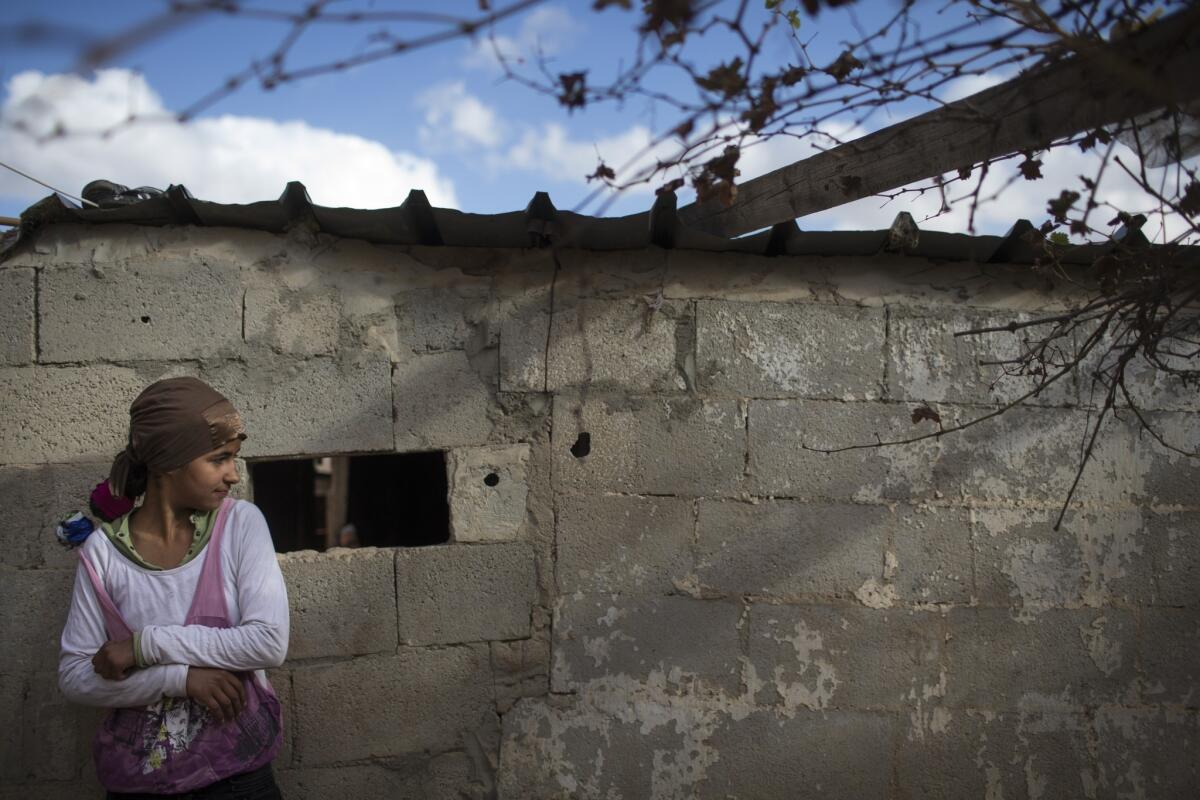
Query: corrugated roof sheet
{"points": [[540, 224]]}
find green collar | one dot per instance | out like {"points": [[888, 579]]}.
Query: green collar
{"points": [[117, 532]]}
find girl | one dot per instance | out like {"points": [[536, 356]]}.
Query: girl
{"points": [[178, 607]]}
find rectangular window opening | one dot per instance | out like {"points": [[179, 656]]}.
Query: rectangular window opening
{"points": [[392, 500]]}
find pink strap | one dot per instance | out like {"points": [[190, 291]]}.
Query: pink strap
{"points": [[118, 630], [208, 605]]}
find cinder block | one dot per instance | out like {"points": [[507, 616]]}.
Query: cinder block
{"points": [[621, 743], [17, 315], [488, 490], [56, 736], [1173, 545], [621, 544], [781, 463], [438, 319], [949, 755], [297, 322], [36, 603], [35, 499], [465, 593], [784, 349], [1063, 658], [1032, 454], [928, 363], [524, 338], [1163, 476], [419, 700], [819, 656], [444, 400], [449, 776], [1140, 749], [310, 406], [343, 603], [833, 754], [583, 335], [929, 556], [520, 669], [12, 698], [1170, 654], [678, 639], [1095, 558], [56, 414], [789, 549], [161, 308], [686, 446]]}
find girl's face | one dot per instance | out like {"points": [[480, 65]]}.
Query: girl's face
{"points": [[205, 481]]}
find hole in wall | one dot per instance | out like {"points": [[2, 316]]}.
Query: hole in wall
{"points": [[392, 500], [146, 319], [491, 479], [582, 446]]}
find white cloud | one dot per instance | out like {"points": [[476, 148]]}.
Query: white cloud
{"points": [[1005, 199], [551, 151], [456, 118], [224, 159], [547, 30]]}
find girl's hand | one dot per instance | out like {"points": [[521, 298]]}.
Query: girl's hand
{"points": [[114, 660], [218, 690]]}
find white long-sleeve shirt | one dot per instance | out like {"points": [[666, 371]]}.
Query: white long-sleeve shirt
{"points": [[156, 603]]}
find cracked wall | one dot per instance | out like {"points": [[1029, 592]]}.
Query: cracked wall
{"points": [[699, 605]]}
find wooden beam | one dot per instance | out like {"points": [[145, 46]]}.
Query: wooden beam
{"points": [[1112, 82]]}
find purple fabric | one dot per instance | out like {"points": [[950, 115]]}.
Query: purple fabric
{"points": [[176, 745]]}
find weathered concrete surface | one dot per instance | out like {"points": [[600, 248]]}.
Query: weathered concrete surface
{"points": [[297, 406], [820, 656], [1146, 752], [1031, 754], [581, 351], [36, 603], [1173, 544], [697, 606], [57, 414], [299, 322], [442, 400], [450, 776], [17, 315], [784, 435], [767, 756], [156, 309], [1096, 558], [464, 594], [342, 603], [626, 545], [637, 445], [436, 699], [35, 499], [804, 349], [1170, 655], [682, 638], [1067, 659], [928, 363], [488, 491], [520, 669], [788, 549]]}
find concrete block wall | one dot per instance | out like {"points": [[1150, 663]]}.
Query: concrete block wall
{"points": [[654, 587]]}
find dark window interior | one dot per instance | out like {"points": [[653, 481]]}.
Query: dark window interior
{"points": [[394, 500]]}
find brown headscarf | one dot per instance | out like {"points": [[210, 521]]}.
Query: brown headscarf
{"points": [[170, 423]]}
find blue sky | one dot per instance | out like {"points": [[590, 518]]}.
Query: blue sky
{"points": [[440, 119]]}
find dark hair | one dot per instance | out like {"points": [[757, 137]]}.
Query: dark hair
{"points": [[136, 482]]}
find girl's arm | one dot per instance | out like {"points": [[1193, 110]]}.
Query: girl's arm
{"points": [[83, 635], [260, 639]]}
